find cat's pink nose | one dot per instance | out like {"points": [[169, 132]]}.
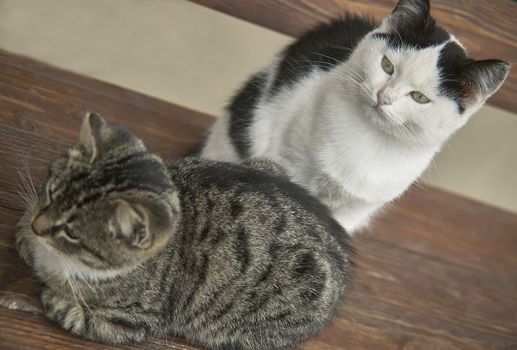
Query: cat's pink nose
{"points": [[41, 225], [383, 98]]}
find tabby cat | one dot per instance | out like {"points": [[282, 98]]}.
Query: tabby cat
{"points": [[356, 111], [227, 256]]}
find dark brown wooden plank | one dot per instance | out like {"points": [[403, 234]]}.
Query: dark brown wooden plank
{"points": [[436, 271], [486, 27], [423, 297], [22, 330], [463, 231]]}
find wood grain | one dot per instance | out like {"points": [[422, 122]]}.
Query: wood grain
{"points": [[486, 27], [437, 271]]}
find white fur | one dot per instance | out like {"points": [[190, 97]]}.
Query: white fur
{"points": [[327, 134], [220, 146]]}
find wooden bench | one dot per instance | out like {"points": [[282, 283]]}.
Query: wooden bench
{"points": [[436, 272]]}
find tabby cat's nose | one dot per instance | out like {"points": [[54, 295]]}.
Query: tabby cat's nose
{"points": [[41, 225]]}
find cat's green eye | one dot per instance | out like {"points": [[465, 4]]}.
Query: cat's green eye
{"points": [[420, 97], [387, 66]]}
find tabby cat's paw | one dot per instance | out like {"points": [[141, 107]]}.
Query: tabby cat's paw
{"points": [[69, 314], [22, 246]]}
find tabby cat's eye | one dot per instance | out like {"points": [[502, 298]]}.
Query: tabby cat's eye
{"points": [[51, 189], [420, 97], [48, 195], [68, 234], [387, 65]]}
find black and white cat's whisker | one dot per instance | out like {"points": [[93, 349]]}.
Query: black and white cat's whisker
{"points": [[355, 79], [341, 47], [394, 28], [349, 79], [354, 70], [310, 64], [338, 62], [316, 63]]}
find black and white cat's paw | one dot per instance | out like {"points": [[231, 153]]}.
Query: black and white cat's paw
{"points": [[69, 314]]}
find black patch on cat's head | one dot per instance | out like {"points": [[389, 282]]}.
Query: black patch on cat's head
{"points": [[322, 48], [411, 26], [467, 81], [451, 63], [412, 13]]}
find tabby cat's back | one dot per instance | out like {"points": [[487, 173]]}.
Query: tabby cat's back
{"points": [[287, 259]]}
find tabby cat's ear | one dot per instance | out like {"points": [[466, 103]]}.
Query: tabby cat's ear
{"points": [[481, 79], [414, 14], [94, 131], [133, 224]]}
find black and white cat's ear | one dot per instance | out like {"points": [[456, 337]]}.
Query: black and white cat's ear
{"points": [[418, 8], [411, 14], [481, 79], [132, 223], [94, 131]]}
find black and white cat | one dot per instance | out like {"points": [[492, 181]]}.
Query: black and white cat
{"points": [[355, 112]]}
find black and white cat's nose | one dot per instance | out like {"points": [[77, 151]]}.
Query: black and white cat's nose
{"points": [[383, 98], [41, 225]]}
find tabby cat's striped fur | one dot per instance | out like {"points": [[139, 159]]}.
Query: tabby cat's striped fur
{"points": [[228, 256]]}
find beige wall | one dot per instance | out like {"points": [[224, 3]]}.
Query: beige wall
{"points": [[170, 49], [192, 56]]}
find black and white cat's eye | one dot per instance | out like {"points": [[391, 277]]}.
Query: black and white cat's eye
{"points": [[387, 66], [420, 97]]}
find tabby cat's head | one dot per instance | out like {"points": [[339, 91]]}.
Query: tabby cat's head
{"points": [[416, 80], [108, 204]]}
